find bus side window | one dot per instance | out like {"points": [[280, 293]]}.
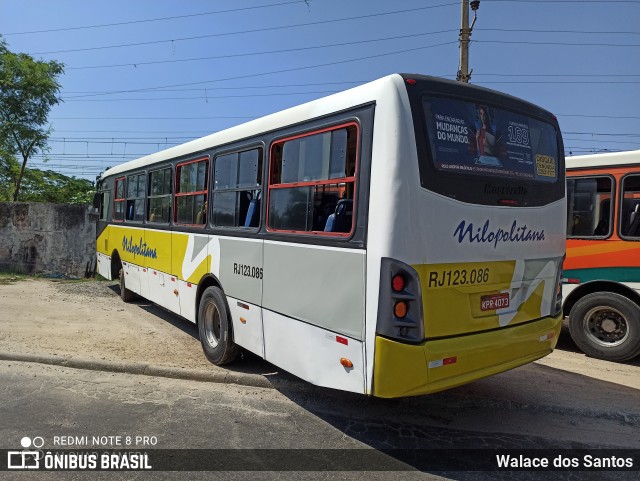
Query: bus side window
{"points": [[312, 182], [135, 197], [237, 184], [589, 206], [630, 208], [160, 188], [119, 200], [191, 192]]}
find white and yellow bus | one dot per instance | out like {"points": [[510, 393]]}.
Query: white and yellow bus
{"points": [[399, 238]]}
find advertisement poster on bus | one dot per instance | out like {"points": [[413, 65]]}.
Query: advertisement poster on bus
{"points": [[482, 139]]}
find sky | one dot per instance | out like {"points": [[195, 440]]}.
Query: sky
{"points": [[141, 76]]}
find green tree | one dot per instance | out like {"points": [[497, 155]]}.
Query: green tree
{"points": [[28, 90], [49, 186], [9, 170]]}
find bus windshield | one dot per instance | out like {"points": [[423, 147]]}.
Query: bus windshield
{"points": [[480, 139]]}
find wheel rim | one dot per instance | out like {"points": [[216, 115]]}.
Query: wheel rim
{"points": [[606, 326], [212, 324]]}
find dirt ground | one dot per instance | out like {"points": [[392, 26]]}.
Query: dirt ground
{"points": [[565, 400], [87, 319]]}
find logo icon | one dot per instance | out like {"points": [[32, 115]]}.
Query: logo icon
{"points": [[26, 459]]}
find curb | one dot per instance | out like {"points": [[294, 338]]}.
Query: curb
{"points": [[225, 377], [274, 381]]}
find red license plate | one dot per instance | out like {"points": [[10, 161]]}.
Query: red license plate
{"points": [[494, 301]]}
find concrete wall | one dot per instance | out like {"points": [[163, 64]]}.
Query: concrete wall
{"points": [[45, 238]]}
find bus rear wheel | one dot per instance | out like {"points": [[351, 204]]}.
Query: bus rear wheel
{"points": [[127, 295], [214, 327], [606, 326]]}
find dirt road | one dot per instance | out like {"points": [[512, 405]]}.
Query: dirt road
{"points": [[87, 319], [565, 400]]}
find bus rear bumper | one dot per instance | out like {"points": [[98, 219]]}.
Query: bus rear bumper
{"points": [[409, 370]]}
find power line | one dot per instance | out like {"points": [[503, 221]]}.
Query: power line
{"points": [[358, 82], [67, 166], [273, 5], [566, 44], [131, 141], [153, 118], [616, 134], [162, 140], [293, 69], [125, 141], [136, 131], [568, 1], [244, 87], [358, 42], [177, 140], [254, 117], [571, 151], [256, 30], [598, 116], [554, 75], [580, 32], [268, 52], [572, 82], [78, 156], [601, 141], [160, 19], [159, 88], [248, 87], [207, 97]]}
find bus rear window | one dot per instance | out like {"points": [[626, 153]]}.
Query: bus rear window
{"points": [[480, 139]]}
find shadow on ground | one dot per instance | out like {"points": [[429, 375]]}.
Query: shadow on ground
{"points": [[413, 430]]}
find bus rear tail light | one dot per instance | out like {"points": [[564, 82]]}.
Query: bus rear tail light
{"points": [[398, 283], [400, 304], [400, 309]]}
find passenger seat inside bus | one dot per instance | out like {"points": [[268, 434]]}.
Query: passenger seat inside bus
{"points": [[253, 213], [341, 219], [634, 222], [602, 228], [630, 218]]}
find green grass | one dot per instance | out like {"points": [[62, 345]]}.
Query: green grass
{"points": [[11, 277]]}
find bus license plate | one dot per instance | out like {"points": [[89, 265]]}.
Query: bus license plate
{"points": [[494, 301]]}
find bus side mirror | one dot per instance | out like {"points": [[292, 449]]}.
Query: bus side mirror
{"points": [[97, 200]]}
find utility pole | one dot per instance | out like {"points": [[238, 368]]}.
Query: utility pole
{"points": [[464, 74]]}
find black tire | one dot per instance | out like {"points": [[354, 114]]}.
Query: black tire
{"points": [[606, 326], [126, 294], [214, 326]]}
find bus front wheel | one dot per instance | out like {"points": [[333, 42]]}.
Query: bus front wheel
{"points": [[214, 327], [606, 326]]}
